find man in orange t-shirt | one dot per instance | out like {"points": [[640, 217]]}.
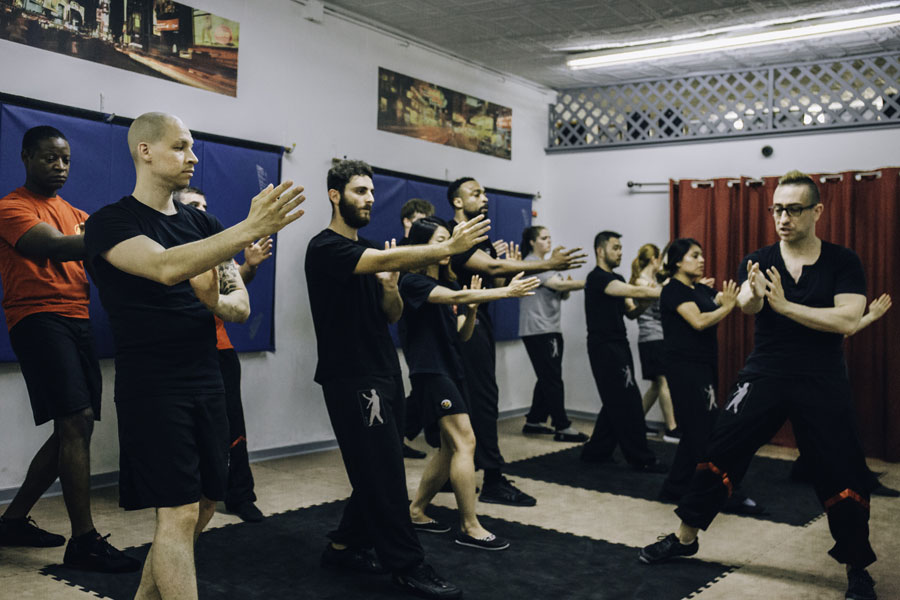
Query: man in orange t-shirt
{"points": [[45, 298], [239, 496]]}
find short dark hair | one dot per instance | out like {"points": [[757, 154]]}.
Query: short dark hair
{"points": [[341, 173], [796, 177], [177, 194], [604, 236], [453, 190], [36, 135], [529, 234], [416, 205], [674, 254]]}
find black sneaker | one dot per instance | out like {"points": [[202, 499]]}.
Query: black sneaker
{"points": [[491, 542], [431, 526], [357, 560], [578, 438], [410, 452], [25, 532], [424, 582], [247, 511], [96, 554], [860, 585], [666, 548], [504, 492], [673, 436], [530, 428]]}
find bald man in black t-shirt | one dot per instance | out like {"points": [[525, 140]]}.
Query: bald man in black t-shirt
{"points": [[806, 294]]}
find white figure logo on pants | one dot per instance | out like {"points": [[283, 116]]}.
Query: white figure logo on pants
{"points": [[554, 348], [739, 395], [710, 397], [629, 377], [372, 408]]}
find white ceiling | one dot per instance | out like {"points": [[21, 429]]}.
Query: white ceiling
{"points": [[528, 38]]}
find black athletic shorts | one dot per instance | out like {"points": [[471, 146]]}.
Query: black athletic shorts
{"points": [[438, 396], [59, 363], [652, 359], [172, 450]]}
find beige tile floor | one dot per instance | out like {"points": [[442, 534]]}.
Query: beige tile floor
{"points": [[774, 561]]}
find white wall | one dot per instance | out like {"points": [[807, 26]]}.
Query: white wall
{"points": [[586, 193], [301, 82]]}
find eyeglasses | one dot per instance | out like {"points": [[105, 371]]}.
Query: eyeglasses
{"points": [[793, 210]]}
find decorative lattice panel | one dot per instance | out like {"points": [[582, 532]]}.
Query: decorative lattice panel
{"points": [[855, 92]]}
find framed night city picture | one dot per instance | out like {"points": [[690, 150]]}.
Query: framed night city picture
{"points": [[436, 114], [159, 38]]}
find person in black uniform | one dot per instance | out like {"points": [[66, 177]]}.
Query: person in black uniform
{"points": [[154, 262], [353, 294], [607, 299], [412, 210], [468, 199], [806, 294], [690, 312], [434, 332]]}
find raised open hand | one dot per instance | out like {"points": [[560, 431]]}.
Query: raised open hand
{"points": [[879, 306], [389, 279], [274, 208], [522, 286], [258, 251], [469, 233], [563, 259]]}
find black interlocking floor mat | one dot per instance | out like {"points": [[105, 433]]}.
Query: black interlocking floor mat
{"points": [[279, 558], [767, 481]]}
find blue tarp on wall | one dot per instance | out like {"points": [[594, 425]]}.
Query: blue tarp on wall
{"points": [[509, 214], [101, 172]]}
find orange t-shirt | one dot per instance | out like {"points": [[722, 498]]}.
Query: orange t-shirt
{"points": [[42, 285], [222, 341]]}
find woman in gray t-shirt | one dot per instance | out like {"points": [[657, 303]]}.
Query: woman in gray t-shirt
{"points": [[540, 330]]}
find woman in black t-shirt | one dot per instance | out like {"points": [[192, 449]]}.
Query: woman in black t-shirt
{"points": [[433, 332], [690, 312]]}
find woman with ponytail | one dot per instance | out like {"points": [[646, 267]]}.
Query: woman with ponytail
{"points": [[434, 330], [645, 271], [539, 328]]}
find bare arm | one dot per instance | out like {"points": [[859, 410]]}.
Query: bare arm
{"points": [[620, 289], [753, 290], [560, 260], [877, 308], [270, 210], [43, 241], [558, 283], [842, 318], [465, 324], [690, 312], [408, 258], [234, 302], [254, 254], [517, 288], [391, 302]]}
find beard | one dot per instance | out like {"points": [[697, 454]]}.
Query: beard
{"points": [[352, 215], [472, 214]]}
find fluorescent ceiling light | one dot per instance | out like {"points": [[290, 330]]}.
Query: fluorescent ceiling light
{"points": [[594, 60]]}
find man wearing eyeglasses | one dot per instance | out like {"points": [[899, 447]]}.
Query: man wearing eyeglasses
{"points": [[806, 294]]}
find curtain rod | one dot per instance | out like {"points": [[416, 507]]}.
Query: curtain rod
{"points": [[828, 178]]}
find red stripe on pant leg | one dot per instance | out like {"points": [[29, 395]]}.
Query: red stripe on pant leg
{"points": [[848, 493], [708, 466], [238, 441]]}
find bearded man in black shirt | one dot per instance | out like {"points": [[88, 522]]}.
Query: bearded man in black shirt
{"points": [[806, 294], [154, 261], [353, 295]]}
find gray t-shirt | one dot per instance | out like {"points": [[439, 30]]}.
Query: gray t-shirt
{"points": [[650, 324], [540, 313]]}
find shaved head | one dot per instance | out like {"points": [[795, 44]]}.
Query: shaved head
{"points": [[149, 128]]}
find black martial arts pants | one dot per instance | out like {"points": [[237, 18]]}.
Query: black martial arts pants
{"points": [[377, 514], [240, 479], [621, 419], [479, 364], [549, 398], [817, 406], [693, 389]]}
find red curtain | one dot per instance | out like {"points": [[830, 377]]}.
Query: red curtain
{"points": [[862, 211]]}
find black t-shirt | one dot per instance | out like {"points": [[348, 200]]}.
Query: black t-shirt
{"points": [[165, 338], [783, 346], [430, 341], [464, 274], [681, 341], [604, 313], [352, 333]]}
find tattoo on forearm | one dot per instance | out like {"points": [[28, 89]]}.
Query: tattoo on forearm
{"points": [[228, 277]]}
